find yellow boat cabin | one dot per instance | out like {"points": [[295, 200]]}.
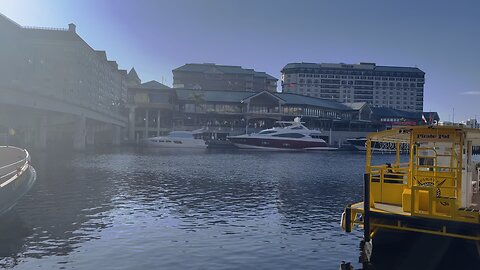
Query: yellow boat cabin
{"points": [[431, 185]]}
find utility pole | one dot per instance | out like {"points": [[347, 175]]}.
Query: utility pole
{"points": [[453, 116]]}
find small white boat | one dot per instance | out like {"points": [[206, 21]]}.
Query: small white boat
{"points": [[177, 139], [17, 176]]}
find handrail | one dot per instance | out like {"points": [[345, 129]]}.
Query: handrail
{"points": [[18, 169], [16, 162]]}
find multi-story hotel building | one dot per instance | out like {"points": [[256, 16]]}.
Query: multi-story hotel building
{"points": [[58, 63], [221, 77], [380, 86]]}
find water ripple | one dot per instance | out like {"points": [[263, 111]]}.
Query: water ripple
{"points": [[134, 209]]}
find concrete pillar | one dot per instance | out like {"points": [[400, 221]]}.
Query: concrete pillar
{"points": [[146, 124], [79, 133], [131, 124], [158, 123], [116, 135], [90, 139], [40, 137]]}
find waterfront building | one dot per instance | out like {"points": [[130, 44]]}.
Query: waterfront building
{"points": [[151, 107], [399, 88], [392, 118], [221, 77], [58, 63], [55, 89], [156, 109]]}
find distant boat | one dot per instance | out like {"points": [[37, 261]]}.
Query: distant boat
{"points": [[17, 176], [289, 135], [220, 144], [177, 139], [360, 145]]}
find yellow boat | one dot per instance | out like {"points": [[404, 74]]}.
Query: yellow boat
{"points": [[432, 189]]}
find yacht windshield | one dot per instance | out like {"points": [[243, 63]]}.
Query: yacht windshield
{"points": [[282, 125]]}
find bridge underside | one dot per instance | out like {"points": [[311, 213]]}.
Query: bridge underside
{"points": [[39, 128]]}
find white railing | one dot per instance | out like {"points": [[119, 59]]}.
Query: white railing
{"points": [[13, 170], [45, 28]]}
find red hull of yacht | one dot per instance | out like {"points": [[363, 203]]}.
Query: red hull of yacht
{"points": [[259, 143]]}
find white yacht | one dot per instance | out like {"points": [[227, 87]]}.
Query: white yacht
{"points": [[17, 176], [177, 139], [288, 135]]}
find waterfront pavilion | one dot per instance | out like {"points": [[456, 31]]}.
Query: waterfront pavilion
{"points": [[156, 109]]}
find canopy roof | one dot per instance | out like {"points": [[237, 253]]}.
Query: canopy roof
{"points": [[402, 135]]}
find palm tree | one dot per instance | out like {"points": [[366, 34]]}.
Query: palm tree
{"points": [[197, 98]]}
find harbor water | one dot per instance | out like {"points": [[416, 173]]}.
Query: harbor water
{"points": [[130, 208]]}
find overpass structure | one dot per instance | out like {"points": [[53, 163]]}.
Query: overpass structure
{"points": [[54, 88]]}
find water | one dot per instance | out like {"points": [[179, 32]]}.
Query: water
{"points": [[138, 209]]}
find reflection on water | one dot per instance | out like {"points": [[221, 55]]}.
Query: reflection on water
{"points": [[143, 209]]}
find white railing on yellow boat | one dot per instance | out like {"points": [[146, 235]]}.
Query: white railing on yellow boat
{"points": [[477, 185], [14, 169]]}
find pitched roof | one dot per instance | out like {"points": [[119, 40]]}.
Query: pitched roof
{"points": [[238, 96], [132, 75], [389, 112], [213, 95], [210, 67], [433, 115], [193, 67], [428, 113], [355, 105], [270, 77], [291, 98], [269, 94], [153, 85]]}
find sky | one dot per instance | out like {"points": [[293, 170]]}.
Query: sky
{"points": [[442, 38]]}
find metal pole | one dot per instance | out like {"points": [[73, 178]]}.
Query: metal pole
{"points": [[453, 117], [398, 145], [366, 208], [158, 122], [146, 124]]}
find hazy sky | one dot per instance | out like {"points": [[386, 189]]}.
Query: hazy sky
{"points": [[440, 37]]}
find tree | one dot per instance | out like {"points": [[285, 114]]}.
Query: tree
{"points": [[197, 98]]}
